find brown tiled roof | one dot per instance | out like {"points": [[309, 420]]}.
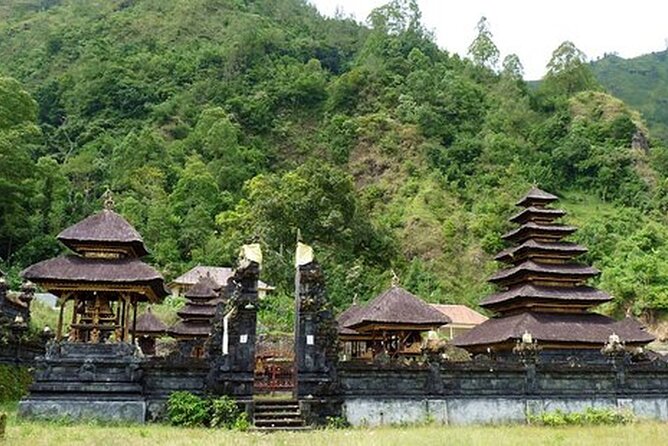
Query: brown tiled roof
{"points": [[568, 294], [73, 268], [535, 246], [205, 288], [526, 215], [532, 229], [396, 306], [220, 275], [149, 323], [461, 314], [105, 227], [546, 269], [536, 195], [585, 328]]}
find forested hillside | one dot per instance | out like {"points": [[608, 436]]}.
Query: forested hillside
{"points": [[218, 122], [642, 82]]}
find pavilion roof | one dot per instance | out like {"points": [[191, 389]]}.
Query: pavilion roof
{"points": [[566, 294], [205, 288], [105, 228], [536, 195], [532, 229], [73, 270], [574, 270], [191, 328], [348, 316], [527, 214], [565, 248], [219, 274], [149, 323], [207, 310], [397, 307], [584, 328]]}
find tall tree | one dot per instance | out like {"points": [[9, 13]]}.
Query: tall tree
{"points": [[568, 72], [482, 50]]}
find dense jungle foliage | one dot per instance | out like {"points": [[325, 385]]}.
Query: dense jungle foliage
{"points": [[219, 122]]}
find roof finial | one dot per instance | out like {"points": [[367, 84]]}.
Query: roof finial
{"points": [[299, 235], [395, 279], [108, 198]]}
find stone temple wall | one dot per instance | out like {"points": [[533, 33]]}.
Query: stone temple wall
{"points": [[495, 392]]}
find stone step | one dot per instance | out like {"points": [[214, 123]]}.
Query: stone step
{"points": [[290, 408], [278, 414], [286, 422], [278, 429]]}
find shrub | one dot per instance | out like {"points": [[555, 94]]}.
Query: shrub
{"points": [[225, 412], [186, 409], [590, 416], [3, 424]]}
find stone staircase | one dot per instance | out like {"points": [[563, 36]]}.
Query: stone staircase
{"points": [[272, 415]]}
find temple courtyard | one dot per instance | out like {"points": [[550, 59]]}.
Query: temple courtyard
{"points": [[22, 432]]}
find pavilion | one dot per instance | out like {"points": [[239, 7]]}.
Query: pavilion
{"points": [[93, 366], [392, 323]]}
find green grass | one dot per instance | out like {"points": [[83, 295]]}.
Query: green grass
{"points": [[21, 432]]}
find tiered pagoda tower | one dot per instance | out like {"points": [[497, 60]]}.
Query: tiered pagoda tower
{"points": [[197, 316], [543, 295]]}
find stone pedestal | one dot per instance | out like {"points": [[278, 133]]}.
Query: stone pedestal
{"points": [[87, 381]]}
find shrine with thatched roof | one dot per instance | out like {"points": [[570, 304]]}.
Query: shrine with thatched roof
{"points": [[543, 296], [391, 323], [93, 365], [149, 327]]}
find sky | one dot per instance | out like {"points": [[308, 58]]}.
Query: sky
{"points": [[532, 29]]}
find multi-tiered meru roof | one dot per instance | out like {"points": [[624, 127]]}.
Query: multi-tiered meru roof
{"points": [[543, 290], [197, 315]]}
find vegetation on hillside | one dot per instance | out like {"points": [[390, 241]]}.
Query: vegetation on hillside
{"points": [[641, 82], [219, 122]]}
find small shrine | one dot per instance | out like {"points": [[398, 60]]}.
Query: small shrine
{"points": [[543, 295], [197, 316], [391, 324], [147, 330], [93, 365]]}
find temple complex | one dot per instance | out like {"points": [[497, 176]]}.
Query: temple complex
{"points": [[196, 317], [391, 324], [543, 296]]}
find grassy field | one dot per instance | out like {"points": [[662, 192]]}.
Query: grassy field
{"points": [[21, 433]]}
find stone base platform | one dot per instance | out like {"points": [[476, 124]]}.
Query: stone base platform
{"points": [[84, 408]]}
